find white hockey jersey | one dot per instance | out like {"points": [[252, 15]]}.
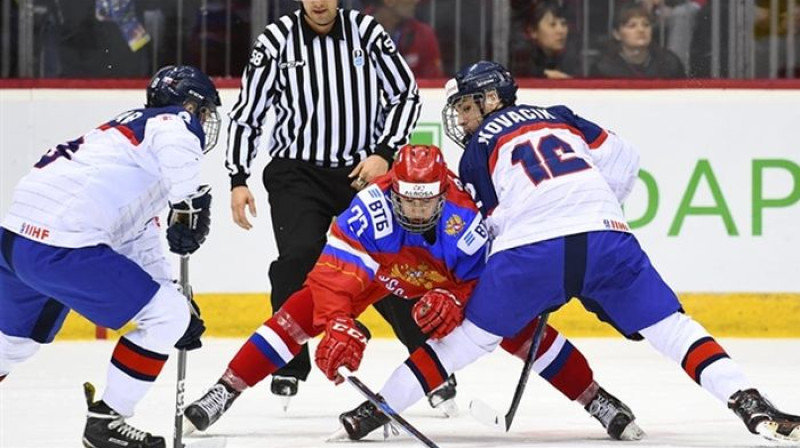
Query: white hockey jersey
{"points": [[105, 186], [542, 173]]}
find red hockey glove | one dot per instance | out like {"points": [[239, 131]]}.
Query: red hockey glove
{"points": [[343, 345], [438, 312]]}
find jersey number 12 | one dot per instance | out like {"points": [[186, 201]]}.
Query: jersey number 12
{"points": [[551, 158]]}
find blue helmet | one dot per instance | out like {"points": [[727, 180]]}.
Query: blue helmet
{"points": [[483, 76], [475, 81], [181, 84]]}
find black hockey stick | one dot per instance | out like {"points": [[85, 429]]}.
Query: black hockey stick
{"points": [[378, 401], [485, 413]]}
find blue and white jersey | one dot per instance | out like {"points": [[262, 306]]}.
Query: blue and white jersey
{"points": [[541, 173], [103, 187]]}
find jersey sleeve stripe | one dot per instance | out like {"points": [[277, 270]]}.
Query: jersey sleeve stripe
{"points": [[344, 251]]}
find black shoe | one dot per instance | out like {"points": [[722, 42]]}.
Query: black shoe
{"points": [[362, 420], [105, 428], [443, 397], [616, 418], [761, 417], [209, 408]]}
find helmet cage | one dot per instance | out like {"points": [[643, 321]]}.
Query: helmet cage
{"points": [[419, 183], [211, 125], [452, 127], [402, 203]]}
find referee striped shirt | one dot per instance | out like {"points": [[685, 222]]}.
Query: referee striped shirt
{"points": [[337, 98]]}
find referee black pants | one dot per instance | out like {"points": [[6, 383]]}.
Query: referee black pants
{"points": [[304, 199]]}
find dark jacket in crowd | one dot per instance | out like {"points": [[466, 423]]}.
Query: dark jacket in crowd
{"points": [[662, 64]]}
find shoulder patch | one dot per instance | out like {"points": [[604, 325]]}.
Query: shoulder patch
{"points": [[379, 212], [474, 238]]}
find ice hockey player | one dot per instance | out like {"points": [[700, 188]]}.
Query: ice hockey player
{"points": [[550, 184], [414, 233], [82, 233]]}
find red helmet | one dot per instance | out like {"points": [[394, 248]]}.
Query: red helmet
{"points": [[419, 182]]}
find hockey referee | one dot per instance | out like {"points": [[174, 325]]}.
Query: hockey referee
{"points": [[344, 101]]}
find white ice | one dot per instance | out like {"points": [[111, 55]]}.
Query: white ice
{"points": [[42, 404]]}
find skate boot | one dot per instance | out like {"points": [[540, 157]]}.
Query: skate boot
{"points": [[209, 408], [444, 397], [762, 418], [284, 387], [107, 429], [361, 421], [616, 418]]}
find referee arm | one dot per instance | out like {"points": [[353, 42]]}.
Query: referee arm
{"points": [[244, 130], [403, 106]]}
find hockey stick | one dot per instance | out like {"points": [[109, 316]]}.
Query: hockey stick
{"points": [[180, 388], [485, 413], [378, 401]]}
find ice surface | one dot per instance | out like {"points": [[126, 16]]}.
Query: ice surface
{"points": [[42, 405]]}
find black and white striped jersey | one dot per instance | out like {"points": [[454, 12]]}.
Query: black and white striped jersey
{"points": [[336, 98]]}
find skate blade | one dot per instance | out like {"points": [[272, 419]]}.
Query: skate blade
{"points": [[449, 408], [285, 403], [632, 432], [340, 435], [188, 427], [772, 431]]}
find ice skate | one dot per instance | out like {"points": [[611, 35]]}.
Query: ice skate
{"points": [[105, 428], [444, 397], [761, 417], [616, 418], [359, 422], [209, 408], [284, 387]]}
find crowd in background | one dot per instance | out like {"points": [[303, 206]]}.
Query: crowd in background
{"points": [[663, 39]]}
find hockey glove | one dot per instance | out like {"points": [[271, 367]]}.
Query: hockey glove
{"points": [[191, 338], [343, 345], [189, 222], [438, 312]]}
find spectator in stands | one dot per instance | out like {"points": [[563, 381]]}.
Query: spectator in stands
{"points": [[546, 51], [632, 53], [763, 31], [415, 40], [679, 19]]}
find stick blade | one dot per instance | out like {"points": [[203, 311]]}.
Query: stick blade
{"points": [[487, 415]]}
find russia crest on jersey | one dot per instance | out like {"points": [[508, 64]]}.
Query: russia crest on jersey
{"points": [[454, 225]]}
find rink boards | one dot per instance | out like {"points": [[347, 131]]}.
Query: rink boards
{"points": [[724, 315]]}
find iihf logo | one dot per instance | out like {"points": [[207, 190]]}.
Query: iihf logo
{"points": [[358, 57]]}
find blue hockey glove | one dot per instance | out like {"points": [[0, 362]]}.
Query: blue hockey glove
{"points": [[191, 338], [189, 222]]}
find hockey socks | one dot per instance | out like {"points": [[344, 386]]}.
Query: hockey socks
{"points": [[557, 361], [683, 340], [133, 370], [275, 342]]}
